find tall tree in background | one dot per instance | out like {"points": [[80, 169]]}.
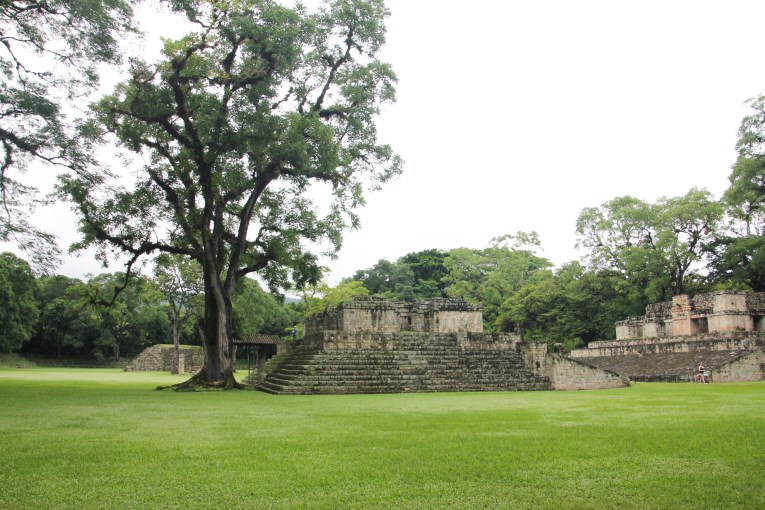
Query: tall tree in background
{"points": [[18, 303], [654, 246], [180, 281], [388, 279], [489, 276], [429, 272], [239, 122], [49, 51], [738, 257]]}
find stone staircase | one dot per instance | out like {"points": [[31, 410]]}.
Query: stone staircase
{"points": [[413, 365], [664, 367]]}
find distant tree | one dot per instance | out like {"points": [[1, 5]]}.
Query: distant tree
{"points": [[180, 281], [653, 245], [429, 272], [62, 316], [18, 302], [49, 53], [388, 279], [324, 296], [738, 255], [258, 311], [574, 306], [489, 276], [238, 123], [134, 319]]}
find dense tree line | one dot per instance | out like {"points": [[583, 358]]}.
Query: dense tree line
{"points": [[55, 315]]}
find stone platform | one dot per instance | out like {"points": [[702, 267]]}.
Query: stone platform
{"points": [[379, 346]]}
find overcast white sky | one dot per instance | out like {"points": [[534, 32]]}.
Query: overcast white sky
{"points": [[517, 115]]}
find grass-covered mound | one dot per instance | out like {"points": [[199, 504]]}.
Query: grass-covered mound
{"points": [[102, 439]]}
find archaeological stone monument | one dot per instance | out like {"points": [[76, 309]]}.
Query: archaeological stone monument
{"points": [[724, 330], [375, 345]]}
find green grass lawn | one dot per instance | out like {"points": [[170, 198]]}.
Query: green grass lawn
{"points": [[103, 439]]}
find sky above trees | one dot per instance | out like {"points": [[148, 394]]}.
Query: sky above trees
{"points": [[516, 116]]}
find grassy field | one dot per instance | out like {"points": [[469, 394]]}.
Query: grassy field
{"points": [[103, 439]]}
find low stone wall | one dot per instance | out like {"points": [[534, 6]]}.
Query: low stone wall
{"points": [[159, 358], [735, 340], [747, 368], [570, 374]]}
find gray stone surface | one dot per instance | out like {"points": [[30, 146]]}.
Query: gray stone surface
{"points": [[159, 357], [378, 346]]}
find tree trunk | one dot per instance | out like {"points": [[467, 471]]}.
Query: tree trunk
{"points": [[215, 331], [174, 361]]}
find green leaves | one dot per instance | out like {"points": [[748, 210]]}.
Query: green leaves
{"points": [[48, 58], [653, 245], [18, 306]]}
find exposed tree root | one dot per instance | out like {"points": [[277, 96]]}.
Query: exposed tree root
{"points": [[201, 382]]}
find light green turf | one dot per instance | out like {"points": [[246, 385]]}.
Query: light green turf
{"points": [[102, 439]]}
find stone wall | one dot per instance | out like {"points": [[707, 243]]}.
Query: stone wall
{"points": [[737, 340], [384, 316], [747, 368], [344, 340], [723, 311], [570, 374], [159, 358]]}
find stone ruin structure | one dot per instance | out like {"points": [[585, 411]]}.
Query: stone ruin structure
{"points": [[379, 346], [159, 357], [725, 330]]}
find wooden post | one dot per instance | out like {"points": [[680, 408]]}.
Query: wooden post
{"points": [[261, 364]]}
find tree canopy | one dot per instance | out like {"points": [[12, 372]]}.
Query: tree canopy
{"points": [[239, 124], [49, 53]]}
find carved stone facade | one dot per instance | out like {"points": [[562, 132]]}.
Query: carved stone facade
{"points": [[384, 316], [380, 346], [723, 330], [719, 312]]}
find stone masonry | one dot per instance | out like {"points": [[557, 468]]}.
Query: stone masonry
{"points": [[724, 330], [381, 346], [159, 357]]}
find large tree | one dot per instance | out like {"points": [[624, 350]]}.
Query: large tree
{"points": [[49, 53], [656, 246], [237, 126], [489, 276], [738, 257], [180, 281]]}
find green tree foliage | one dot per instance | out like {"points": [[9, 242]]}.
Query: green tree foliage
{"points": [[180, 281], [574, 306], [738, 257], [48, 58], [388, 279], [18, 302], [135, 319], [237, 124], [257, 311], [323, 296], [418, 275], [429, 273], [62, 317], [655, 246], [490, 275]]}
